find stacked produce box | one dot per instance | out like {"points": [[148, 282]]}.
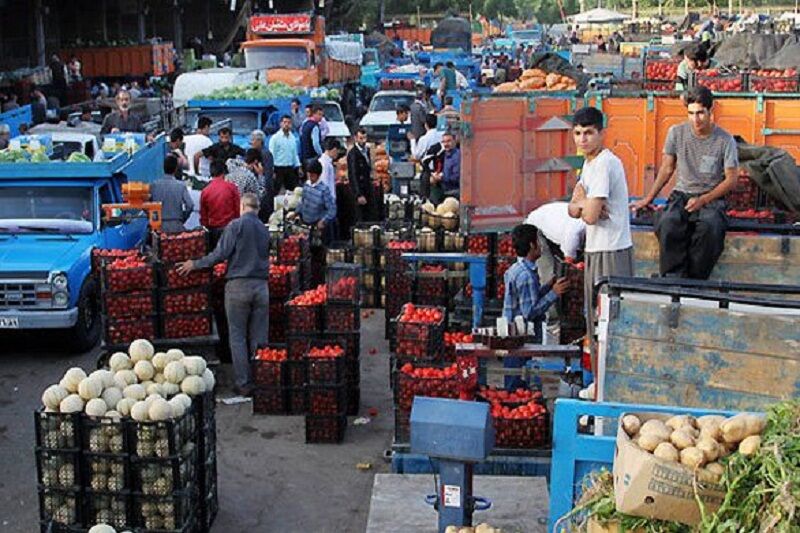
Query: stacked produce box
{"points": [[326, 392], [131, 445], [660, 74], [367, 254], [723, 81], [399, 281], [520, 417], [284, 283], [295, 250], [571, 312], [774, 81], [128, 299], [342, 321]]}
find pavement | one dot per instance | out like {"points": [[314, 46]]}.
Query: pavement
{"points": [[269, 479]]}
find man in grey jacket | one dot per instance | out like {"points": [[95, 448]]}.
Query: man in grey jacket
{"points": [[245, 245], [176, 202]]}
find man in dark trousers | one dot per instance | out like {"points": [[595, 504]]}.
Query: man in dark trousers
{"points": [[359, 174], [691, 230], [219, 202], [176, 202], [245, 245], [310, 137]]}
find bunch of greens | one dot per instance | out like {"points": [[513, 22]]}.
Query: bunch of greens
{"points": [[252, 91]]}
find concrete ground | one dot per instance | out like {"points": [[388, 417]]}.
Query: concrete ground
{"points": [[269, 479]]}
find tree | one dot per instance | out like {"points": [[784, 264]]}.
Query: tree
{"points": [[492, 9]]}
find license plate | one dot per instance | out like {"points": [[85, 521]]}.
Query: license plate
{"points": [[9, 322]]}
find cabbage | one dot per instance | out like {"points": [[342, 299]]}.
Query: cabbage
{"points": [[253, 91], [78, 157]]}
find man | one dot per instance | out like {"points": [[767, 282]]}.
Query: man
{"points": [[431, 137], [450, 115], [245, 246], [219, 202], [317, 208], [222, 150], [266, 185], [419, 110], [258, 141], [310, 138], [283, 148], [600, 199], [11, 104], [359, 174], [447, 182], [461, 80], [561, 235], [402, 113], [324, 128], [175, 145], [328, 177], [694, 58], [691, 230], [59, 82], [122, 120], [239, 174], [448, 79], [297, 117], [5, 136], [525, 295], [176, 203], [195, 144]]}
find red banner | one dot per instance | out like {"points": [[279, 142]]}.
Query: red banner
{"points": [[280, 24]]}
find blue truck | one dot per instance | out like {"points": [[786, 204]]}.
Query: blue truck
{"points": [[50, 220]]}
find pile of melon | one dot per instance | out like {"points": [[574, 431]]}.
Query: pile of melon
{"points": [[142, 384], [445, 215]]}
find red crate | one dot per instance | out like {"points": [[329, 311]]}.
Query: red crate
{"points": [[127, 305], [269, 372], [394, 254], [665, 70], [295, 373], [178, 247], [745, 195], [269, 401], [171, 279], [127, 330], [325, 363], [522, 433], [101, 256], [774, 81], [284, 280], [438, 383], [292, 250], [327, 400], [720, 82], [187, 325], [326, 429], [479, 244], [304, 318], [118, 277], [184, 301]]}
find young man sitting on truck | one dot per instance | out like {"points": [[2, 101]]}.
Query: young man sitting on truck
{"points": [[600, 199], [691, 230]]}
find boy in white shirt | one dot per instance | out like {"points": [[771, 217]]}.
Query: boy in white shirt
{"points": [[600, 199]]}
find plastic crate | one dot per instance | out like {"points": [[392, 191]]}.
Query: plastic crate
{"points": [[432, 284], [522, 433], [296, 400], [60, 510], [104, 435], [295, 373], [130, 279], [394, 255], [349, 340], [163, 476], [407, 387], [268, 373], [170, 278], [365, 236], [184, 301], [297, 346], [58, 469], [292, 250], [342, 317], [343, 282], [127, 330], [326, 400], [482, 243], [101, 256], [325, 371], [745, 195], [114, 509], [187, 325], [178, 247], [665, 70], [338, 252], [172, 513], [269, 400], [277, 321], [571, 304], [57, 431], [106, 472], [303, 319], [659, 85], [284, 281], [166, 438], [205, 407], [773, 84], [721, 82], [325, 429], [129, 305]]}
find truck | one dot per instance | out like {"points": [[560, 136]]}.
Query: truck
{"points": [[293, 49], [50, 221]]}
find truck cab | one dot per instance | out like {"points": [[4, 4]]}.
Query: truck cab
{"points": [[50, 220], [370, 66], [382, 113]]}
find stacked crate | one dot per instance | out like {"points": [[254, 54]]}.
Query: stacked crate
{"points": [[342, 324], [129, 309], [520, 417], [284, 283], [325, 392], [270, 377], [295, 250], [206, 423], [305, 323], [367, 253], [185, 302], [660, 74], [571, 305], [399, 281]]}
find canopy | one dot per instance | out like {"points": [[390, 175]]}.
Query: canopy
{"points": [[599, 15]]}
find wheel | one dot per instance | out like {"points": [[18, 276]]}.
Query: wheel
{"points": [[85, 334]]}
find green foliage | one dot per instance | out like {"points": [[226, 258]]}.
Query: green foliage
{"points": [[252, 91]]}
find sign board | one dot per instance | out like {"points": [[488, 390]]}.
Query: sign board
{"points": [[298, 23]]}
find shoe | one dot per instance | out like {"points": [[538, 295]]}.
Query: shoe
{"points": [[246, 391]]}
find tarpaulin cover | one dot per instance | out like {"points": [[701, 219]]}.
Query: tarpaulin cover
{"points": [[452, 32], [552, 62], [749, 50], [786, 57], [347, 52], [775, 171]]}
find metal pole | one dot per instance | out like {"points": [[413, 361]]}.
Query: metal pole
{"points": [[140, 15], [38, 21], [104, 13], [176, 22]]}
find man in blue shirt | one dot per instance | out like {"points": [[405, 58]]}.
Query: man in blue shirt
{"points": [[525, 295], [447, 182], [283, 146], [317, 207]]}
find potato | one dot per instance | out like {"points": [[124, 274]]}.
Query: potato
{"points": [[734, 429], [692, 457], [631, 424], [726, 449], [716, 469], [754, 424], [667, 451], [649, 441], [679, 421], [656, 427], [709, 425], [451, 529], [750, 445], [682, 439], [706, 476], [710, 449]]}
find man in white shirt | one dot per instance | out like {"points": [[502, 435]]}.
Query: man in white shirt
{"points": [[559, 228], [328, 177], [431, 137], [198, 142], [600, 199]]}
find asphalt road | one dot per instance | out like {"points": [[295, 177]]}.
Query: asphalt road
{"points": [[269, 479]]}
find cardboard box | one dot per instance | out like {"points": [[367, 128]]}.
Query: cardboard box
{"points": [[649, 487]]}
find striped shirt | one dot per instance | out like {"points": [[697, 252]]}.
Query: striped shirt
{"points": [[525, 296], [317, 203]]}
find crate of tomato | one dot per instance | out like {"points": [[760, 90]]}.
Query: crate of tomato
{"points": [[420, 332], [745, 194], [432, 285], [178, 247], [721, 81], [343, 281], [118, 331], [342, 317], [451, 339], [284, 280], [182, 301], [304, 312], [325, 363], [102, 256], [662, 70], [571, 304], [128, 304], [170, 278], [187, 325], [431, 380], [774, 81], [394, 255], [268, 367], [128, 274], [293, 250], [525, 426]]}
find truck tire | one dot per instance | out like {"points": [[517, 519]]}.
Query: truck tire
{"points": [[85, 334]]}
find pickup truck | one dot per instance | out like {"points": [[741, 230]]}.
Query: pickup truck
{"points": [[50, 220], [382, 113]]}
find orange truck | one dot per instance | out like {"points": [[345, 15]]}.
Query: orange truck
{"points": [[294, 49]]}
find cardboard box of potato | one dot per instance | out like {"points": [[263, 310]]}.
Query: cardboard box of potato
{"points": [[650, 487]]}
